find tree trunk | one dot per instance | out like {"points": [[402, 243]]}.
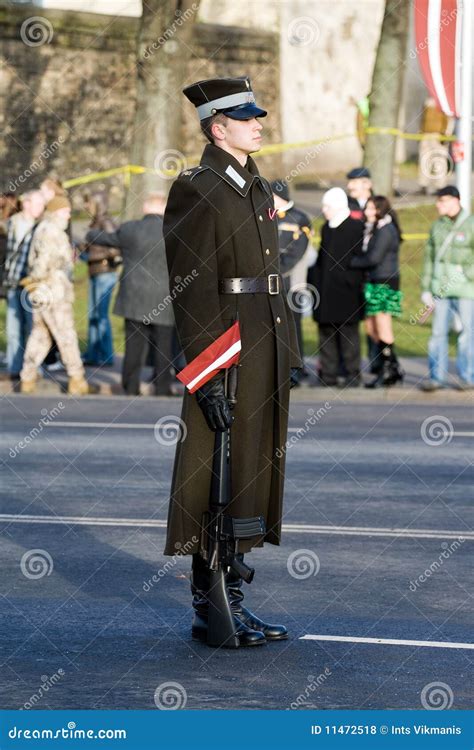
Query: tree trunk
{"points": [[163, 50], [386, 94]]}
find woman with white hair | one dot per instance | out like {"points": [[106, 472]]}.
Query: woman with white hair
{"points": [[340, 289]]}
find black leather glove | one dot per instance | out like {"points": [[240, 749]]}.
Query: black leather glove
{"points": [[295, 374], [214, 404]]}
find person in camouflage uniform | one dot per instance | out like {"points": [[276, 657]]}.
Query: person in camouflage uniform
{"points": [[51, 294]]}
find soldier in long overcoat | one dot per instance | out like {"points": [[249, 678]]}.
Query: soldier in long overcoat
{"points": [[221, 235]]}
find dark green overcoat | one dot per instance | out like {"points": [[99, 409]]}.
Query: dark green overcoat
{"points": [[219, 223]]}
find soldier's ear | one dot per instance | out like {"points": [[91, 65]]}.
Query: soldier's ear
{"points": [[218, 131]]}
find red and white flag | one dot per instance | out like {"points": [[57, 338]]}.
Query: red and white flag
{"points": [[220, 355], [438, 46]]}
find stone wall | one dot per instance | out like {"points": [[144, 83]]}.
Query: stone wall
{"points": [[67, 104], [309, 61]]}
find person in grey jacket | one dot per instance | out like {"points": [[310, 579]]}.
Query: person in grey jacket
{"points": [[143, 298]]}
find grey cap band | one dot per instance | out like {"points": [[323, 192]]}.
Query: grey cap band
{"points": [[225, 102]]}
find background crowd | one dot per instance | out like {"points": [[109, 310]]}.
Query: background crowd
{"points": [[351, 275]]}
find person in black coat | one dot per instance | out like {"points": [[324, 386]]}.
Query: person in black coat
{"points": [[294, 232], [144, 298], [359, 190], [380, 251], [340, 289]]}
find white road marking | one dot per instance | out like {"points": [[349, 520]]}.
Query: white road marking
{"points": [[84, 520], [125, 425], [148, 426], [386, 641], [289, 527], [297, 430], [378, 531], [107, 425]]}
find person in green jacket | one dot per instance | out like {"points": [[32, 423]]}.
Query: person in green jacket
{"points": [[447, 284]]}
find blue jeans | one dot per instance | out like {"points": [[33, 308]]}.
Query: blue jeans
{"points": [[99, 344], [19, 322], [438, 343]]}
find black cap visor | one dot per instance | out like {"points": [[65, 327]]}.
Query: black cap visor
{"points": [[245, 112]]}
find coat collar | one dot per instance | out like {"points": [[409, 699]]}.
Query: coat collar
{"points": [[454, 224], [460, 218], [230, 170]]}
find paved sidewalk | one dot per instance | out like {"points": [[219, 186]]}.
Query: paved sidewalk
{"points": [[108, 379]]}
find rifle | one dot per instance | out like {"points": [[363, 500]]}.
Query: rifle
{"points": [[221, 534]]}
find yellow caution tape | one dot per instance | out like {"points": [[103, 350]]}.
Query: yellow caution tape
{"points": [[129, 169], [93, 176], [409, 136], [406, 237], [276, 148], [414, 236], [126, 170], [272, 148]]}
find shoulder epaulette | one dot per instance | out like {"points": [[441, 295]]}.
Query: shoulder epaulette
{"points": [[191, 173]]}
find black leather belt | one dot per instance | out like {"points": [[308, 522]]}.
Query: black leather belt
{"points": [[260, 285]]}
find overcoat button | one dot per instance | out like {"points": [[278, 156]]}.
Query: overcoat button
{"points": [[267, 251], [260, 218], [278, 319]]}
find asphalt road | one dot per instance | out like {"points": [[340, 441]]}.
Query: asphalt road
{"points": [[377, 546]]}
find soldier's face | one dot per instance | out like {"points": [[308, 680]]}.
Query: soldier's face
{"points": [[243, 135]]}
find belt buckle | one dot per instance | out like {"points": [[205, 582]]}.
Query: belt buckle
{"points": [[273, 283]]}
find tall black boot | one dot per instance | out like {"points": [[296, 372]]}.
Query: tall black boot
{"points": [[376, 360], [395, 371], [244, 615], [373, 355], [390, 371], [199, 588]]}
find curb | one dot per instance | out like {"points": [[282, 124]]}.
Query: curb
{"points": [[307, 394]]}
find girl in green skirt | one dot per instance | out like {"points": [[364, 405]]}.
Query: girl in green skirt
{"points": [[380, 256]]}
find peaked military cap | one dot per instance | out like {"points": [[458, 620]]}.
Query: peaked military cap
{"points": [[357, 173], [230, 96]]}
